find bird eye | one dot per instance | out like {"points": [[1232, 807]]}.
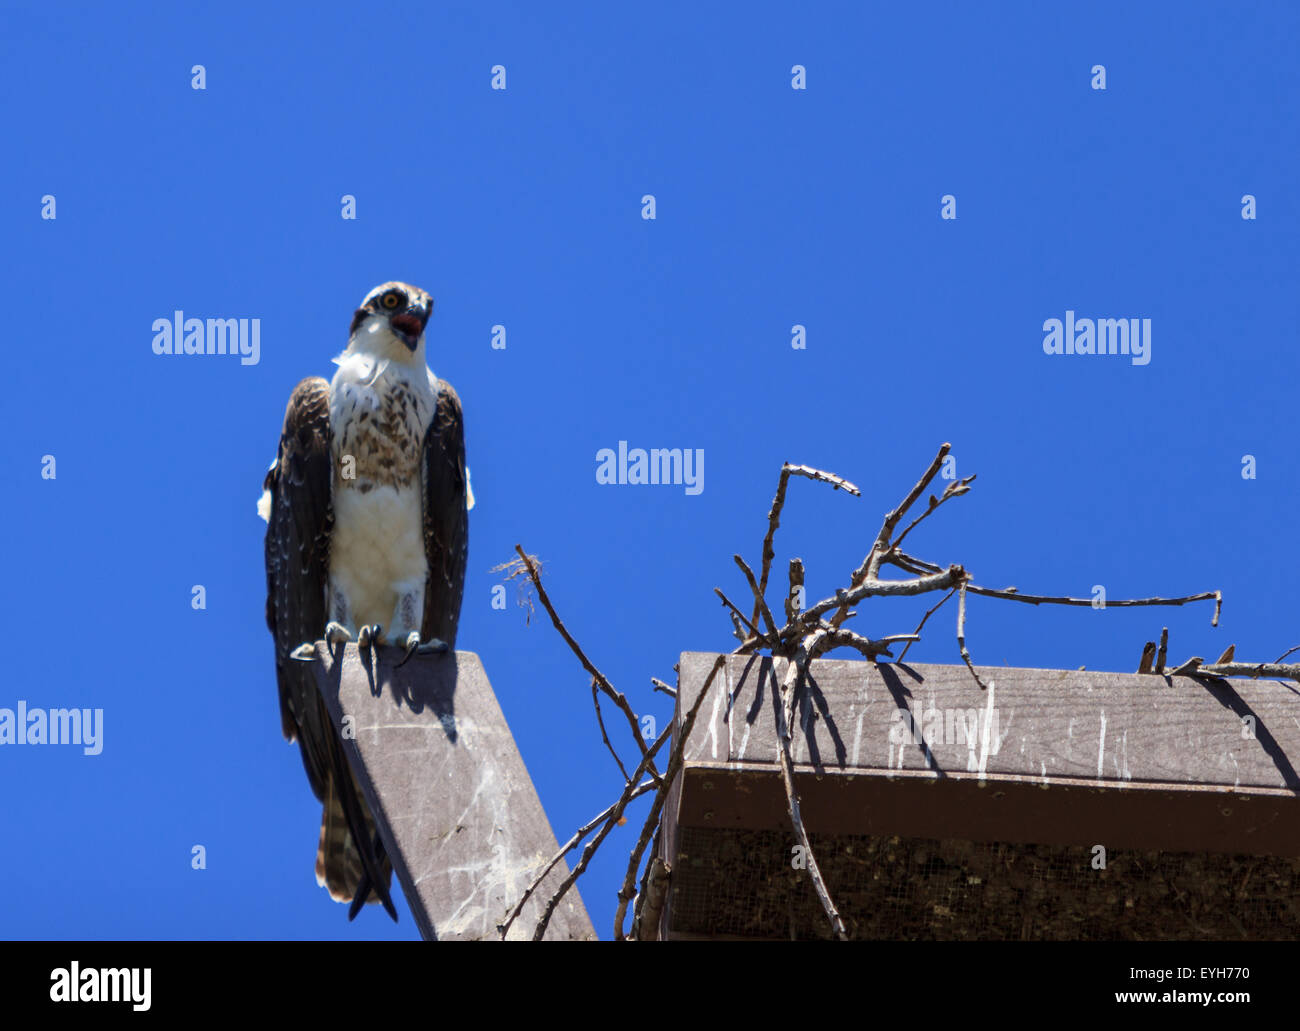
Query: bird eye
{"points": [[390, 300]]}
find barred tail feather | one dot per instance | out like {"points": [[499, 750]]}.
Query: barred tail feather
{"points": [[338, 863]]}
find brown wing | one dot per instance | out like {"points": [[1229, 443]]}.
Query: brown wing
{"points": [[297, 567], [446, 519], [298, 530]]}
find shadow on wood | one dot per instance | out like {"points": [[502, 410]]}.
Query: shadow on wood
{"points": [[451, 797]]}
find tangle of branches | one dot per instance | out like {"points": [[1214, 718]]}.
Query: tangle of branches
{"points": [[805, 634]]}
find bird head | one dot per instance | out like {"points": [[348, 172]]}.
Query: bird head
{"points": [[395, 314]]}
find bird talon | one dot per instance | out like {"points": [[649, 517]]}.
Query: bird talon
{"points": [[337, 633], [433, 646], [368, 636], [305, 652], [412, 643]]}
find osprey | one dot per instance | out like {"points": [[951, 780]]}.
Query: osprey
{"points": [[367, 536]]}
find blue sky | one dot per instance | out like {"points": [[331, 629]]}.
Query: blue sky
{"points": [[775, 207]]}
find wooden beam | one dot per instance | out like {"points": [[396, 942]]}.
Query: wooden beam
{"points": [[1121, 749], [1043, 757], [451, 797]]}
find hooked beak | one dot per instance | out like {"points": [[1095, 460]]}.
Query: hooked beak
{"points": [[409, 326]]}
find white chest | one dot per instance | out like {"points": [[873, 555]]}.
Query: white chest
{"points": [[379, 412]]}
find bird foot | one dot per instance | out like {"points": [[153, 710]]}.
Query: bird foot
{"points": [[336, 633], [368, 636], [414, 646], [305, 652]]}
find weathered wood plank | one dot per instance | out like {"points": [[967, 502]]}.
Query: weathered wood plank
{"points": [[920, 750], [451, 796]]}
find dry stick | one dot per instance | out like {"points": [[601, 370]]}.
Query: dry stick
{"points": [[758, 596], [783, 716], [796, 581], [639, 903], [659, 685], [579, 834], [921, 625], [953, 490], [611, 822], [838, 482], [870, 567], [838, 637], [753, 630], [895, 517], [773, 521], [885, 588], [961, 636], [1284, 654], [595, 700], [917, 566], [1285, 671], [626, 893], [655, 892], [802, 622], [1164, 650], [774, 514], [605, 685]]}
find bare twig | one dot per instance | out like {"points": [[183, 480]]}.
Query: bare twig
{"points": [[759, 602], [737, 614], [1283, 671], [773, 521], [1188, 668], [587, 664], [595, 700], [838, 482], [611, 821], [774, 514], [1163, 653], [660, 686], [796, 584], [570, 845], [870, 567], [650, 900], [954, 490], [783, 713], [921, 625], [961, 636], [881, 546], [917, 566], [838, 637], [885, 588]]}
